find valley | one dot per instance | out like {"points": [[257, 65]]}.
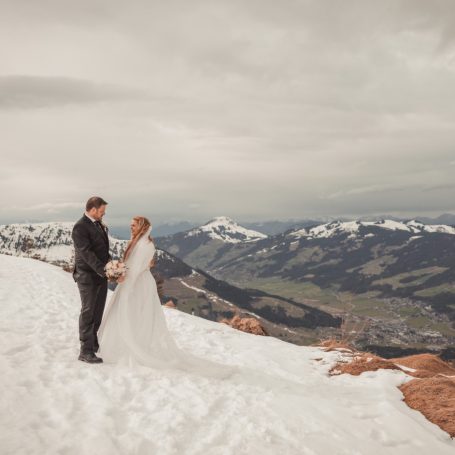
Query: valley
{"points": [[380, 285], [396, 279]]}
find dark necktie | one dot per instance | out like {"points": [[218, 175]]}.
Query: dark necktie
{"points": [[100, 227]]}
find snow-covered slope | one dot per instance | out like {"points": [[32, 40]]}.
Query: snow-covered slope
{"points": [[51, 403], [353, 227], [49, 242], [227, 230]]}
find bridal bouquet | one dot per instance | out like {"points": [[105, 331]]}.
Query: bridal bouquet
{"points": [[115, 269]]}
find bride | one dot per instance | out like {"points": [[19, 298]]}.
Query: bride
{"points": [[133, 330]]}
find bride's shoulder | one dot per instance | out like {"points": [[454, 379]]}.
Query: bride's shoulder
{"points": [[149, 243]]}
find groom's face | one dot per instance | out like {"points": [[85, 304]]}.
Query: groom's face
{"points": [[98, 213]]}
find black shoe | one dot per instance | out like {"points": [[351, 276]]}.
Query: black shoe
{"points": [[90, 357]]}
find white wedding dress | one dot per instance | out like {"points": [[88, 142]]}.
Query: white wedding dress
{"points": [[134, 330]]}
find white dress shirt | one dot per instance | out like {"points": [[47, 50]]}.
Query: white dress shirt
{"points": [[88, 216]]}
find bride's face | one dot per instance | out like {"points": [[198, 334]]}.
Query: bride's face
{"points": [[134, 227]]}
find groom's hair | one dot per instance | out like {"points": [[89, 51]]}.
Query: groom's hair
{"points": [[94, 201]]}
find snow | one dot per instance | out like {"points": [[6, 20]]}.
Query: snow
{"points": [[352, 227], [212, 297], [50, 242], [194, 288], [441, 228], [54, 404], [328, 230], [227, 230], [393, 225]]}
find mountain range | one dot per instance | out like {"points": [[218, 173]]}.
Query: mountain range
{"points": [[393, 279], [399, 276], [192, 290], [273, 227]]}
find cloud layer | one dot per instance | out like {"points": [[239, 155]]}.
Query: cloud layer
{"points": [[256, 109]]}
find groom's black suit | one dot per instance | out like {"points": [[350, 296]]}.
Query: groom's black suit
{"points": [[91, 245]]}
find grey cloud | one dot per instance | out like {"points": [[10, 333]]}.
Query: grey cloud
{"points": [[183, 109], [28, 92], [48, 207]]}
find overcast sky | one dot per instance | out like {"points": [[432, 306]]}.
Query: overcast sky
{"points": [[186, 110]]}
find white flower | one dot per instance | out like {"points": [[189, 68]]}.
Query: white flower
{"points": [[115, 269]]}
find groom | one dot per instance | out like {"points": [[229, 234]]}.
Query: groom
{"points": [[91, 245]]}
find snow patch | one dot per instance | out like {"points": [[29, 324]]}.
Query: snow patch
{"points": [[352, 228], [227, 230]]}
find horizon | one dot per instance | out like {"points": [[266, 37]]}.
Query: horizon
{"points": [[323, 220]]}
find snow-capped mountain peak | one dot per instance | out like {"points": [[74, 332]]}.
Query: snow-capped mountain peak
{"points": [[227, 230], [353, 228]]}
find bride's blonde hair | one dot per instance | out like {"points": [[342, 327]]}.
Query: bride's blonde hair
{"points": [[143, 224]]}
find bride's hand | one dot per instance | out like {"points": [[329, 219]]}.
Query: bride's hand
{"points": [[121, 279]]}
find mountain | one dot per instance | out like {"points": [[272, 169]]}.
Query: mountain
{"points": [[274, 227], [398, 276], [225, 230], [277, 227], [50, 242], [205, 243], [192, 290], [283, 401], [355, 228], [445, 218]]}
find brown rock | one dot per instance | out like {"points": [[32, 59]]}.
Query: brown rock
{"points": [[336, 345], [249, 325]]}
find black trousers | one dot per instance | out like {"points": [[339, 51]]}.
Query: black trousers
{"points": [[93, 299]]}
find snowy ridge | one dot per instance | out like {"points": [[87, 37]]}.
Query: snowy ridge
{"points": [[227, 230], [50, 242], [353, 227], [123, 410]]}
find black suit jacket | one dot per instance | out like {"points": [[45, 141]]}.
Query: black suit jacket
{"points": [[91, 246]]}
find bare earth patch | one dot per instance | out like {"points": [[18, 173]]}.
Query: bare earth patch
{"points": [[434, 398], [432, 392], [426, 365], [363, 362]]}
